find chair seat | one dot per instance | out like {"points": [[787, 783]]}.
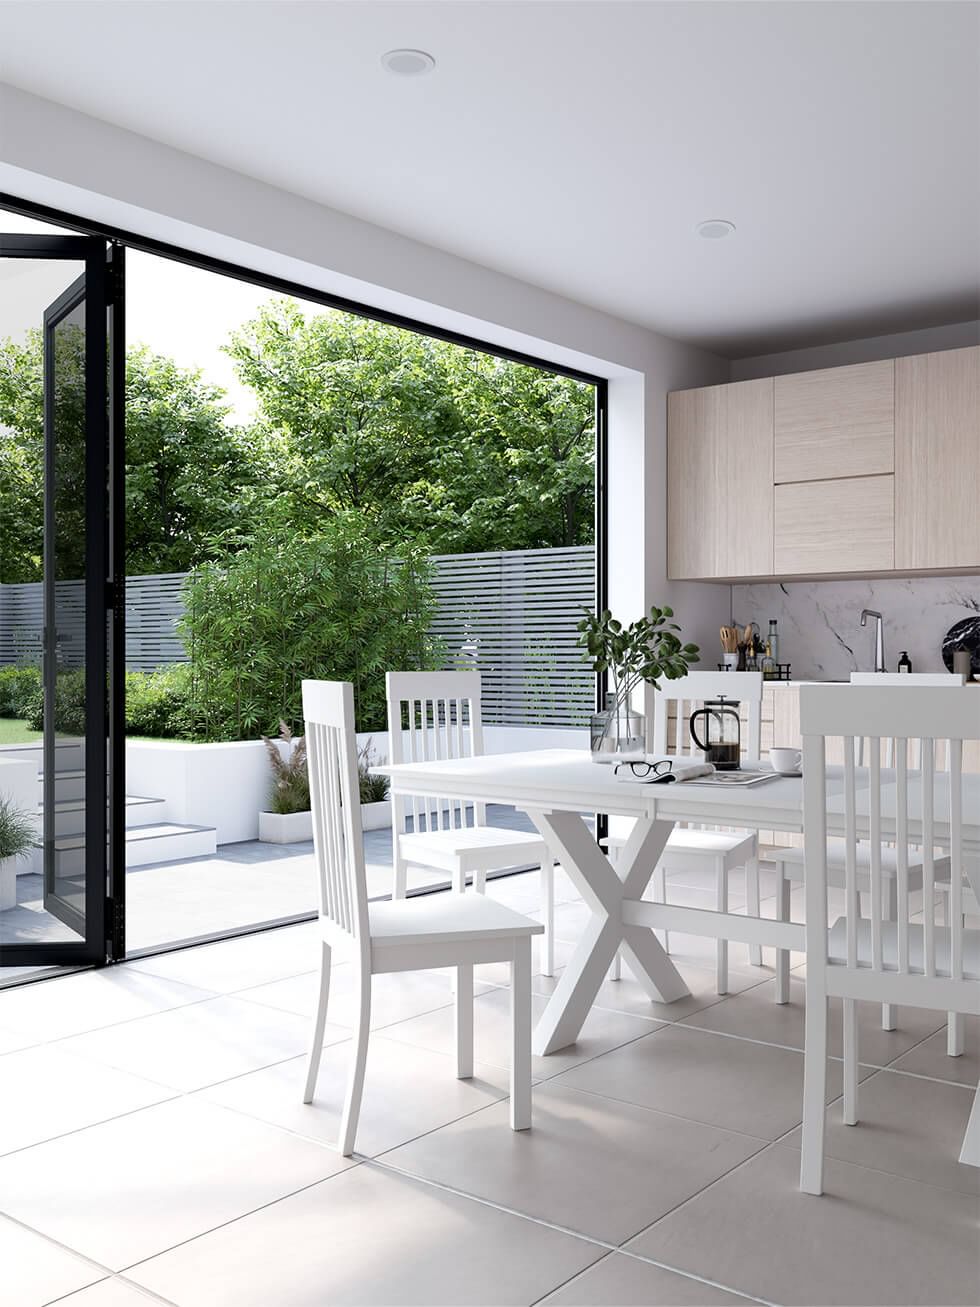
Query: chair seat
{"points": [[703, 843], [793, 862], [474, 848], [445, 919], [837, 948]]}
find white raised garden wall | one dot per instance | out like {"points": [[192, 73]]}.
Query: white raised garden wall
{"points": [[227, 785]]}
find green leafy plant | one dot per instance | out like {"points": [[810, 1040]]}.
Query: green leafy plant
{"points": [[17, 830], [647, 650], [374, 789], [18, 685], [69, 703], [158, 703], [290, 790], [336, 607]]}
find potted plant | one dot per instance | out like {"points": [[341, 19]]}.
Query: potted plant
{"points": [[288, 819], [17, 834], [647, 650], [375, 807]]}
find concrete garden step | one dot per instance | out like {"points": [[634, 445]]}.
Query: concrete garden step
{"points": [[69, 813], [163, 841]]}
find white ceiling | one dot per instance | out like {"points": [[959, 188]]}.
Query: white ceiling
{"points": [[576, 145]]}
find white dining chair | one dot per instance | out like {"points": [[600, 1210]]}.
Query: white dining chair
{"points": [[878, 958], [433, 715], [691, 849], [789, 862], [407, 934]]}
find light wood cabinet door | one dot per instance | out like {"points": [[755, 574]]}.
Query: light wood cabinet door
{"points": [[835, 423], [937, 460], [835, 526], [719, 481]]}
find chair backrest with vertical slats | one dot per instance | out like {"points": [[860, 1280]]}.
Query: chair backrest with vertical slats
{"points": [[434, 715], [899, 806], [906, 680], [690, 691], [328, 707]]}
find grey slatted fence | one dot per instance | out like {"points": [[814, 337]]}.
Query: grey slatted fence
{"points": [[514, 613]]}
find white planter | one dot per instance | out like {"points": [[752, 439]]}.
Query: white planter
{"points": [[285, 827], [376, 816], [8, 883]]}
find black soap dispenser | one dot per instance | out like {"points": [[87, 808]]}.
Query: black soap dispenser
{"points": [[905, 662]]}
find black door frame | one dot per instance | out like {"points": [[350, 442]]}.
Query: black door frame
{"points": [[122, 238], [91, 252]]}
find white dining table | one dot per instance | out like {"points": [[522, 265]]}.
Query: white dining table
{"points": [[560, 790]]}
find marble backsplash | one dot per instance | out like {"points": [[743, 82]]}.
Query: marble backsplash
{"points": [[820, 630]]}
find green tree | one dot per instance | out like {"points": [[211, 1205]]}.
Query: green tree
{"points": [[190, 475], [449, 446]]}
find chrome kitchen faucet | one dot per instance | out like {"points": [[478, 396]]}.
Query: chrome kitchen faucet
{"points": [[879, 637]]}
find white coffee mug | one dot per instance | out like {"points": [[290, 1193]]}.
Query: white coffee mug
{"points": [[785, 761]]}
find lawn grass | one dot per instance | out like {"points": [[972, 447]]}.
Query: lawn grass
{"points": [[15, 731]]}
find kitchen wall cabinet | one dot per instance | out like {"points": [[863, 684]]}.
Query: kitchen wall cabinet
{"points": [[835, 526], [871, 468], [719, 481], [937, 460], [834, 423]]}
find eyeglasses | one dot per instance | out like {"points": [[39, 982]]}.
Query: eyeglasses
{"points": [[642, 769]]}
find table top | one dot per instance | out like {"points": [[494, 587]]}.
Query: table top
{"points": [[568, 780]]}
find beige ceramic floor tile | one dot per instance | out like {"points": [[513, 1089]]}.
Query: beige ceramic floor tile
{"points": [[111, 1293], [46, 1092], [754, 1014], [724, 1082], [369, 1238], [931, 1059], [200, 1045], [871, 1239], [407, 1092], [621, 1281], [132, 1187], [602, 1031], [34, 1271], [908, 1127], [234, 964], [601, 1168]]}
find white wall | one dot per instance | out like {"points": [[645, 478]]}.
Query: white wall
{"points": [[954, 335], [56, 156]]}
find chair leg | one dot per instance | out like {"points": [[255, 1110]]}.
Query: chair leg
{"points": [[889, 1012], [850, 1062], [400, 884], [464, 1022], [752, 905], [814, 1093], [319, 1021], [782, 954], [955, 1025], [480, 880], [520, 1014], [721, 967], [548, 916], [355, 1084]]}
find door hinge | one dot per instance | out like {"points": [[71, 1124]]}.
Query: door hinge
{"points": [[115, 930]]}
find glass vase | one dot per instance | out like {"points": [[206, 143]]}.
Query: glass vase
{"points": [[617, 733]]}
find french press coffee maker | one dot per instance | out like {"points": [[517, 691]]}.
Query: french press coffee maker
{"points": [[722, 744]]}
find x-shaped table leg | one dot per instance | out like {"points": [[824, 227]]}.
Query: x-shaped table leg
{"points": [[604, 887]]}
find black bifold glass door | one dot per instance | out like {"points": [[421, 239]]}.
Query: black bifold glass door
{"points": [[59, 622]]}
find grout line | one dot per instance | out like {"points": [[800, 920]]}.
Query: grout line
{"points": [[558, 1229]]}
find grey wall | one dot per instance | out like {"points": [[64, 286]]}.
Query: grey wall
{"points": [[954, 335]]}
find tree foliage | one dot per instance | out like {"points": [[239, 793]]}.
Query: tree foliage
{"points": [[335, 606]]}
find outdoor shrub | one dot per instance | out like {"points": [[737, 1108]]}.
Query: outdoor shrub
{"points": [[18, 685], [374, 789], [17, 830], [158, 703], [335, 607], [290, 791], [69, 712]]}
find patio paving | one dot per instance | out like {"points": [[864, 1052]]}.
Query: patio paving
{"points": [[243, 885]]}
